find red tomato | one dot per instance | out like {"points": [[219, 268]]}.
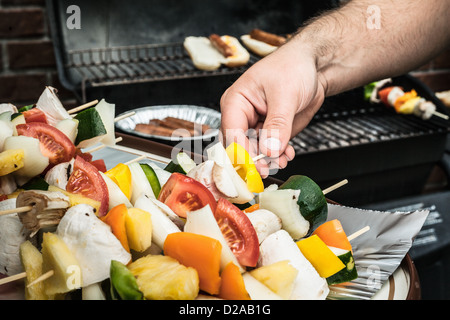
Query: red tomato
{"points": [[183, 194], [383, 94], [238, 232], [34, 115], [53, 143], [87, 181], [85, 155], [99, 164]]}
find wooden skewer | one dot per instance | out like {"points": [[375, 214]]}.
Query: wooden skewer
{"points": [[82, 107], [13, 278], [258, 157], [335, 186], [327, 190], [16, 210], [135, 160], [41, 278], [440, 115], [126, 115], [102, 146], [358, 233], [23, 275]]}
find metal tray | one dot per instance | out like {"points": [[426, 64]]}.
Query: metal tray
{"points": [[197, 114]]}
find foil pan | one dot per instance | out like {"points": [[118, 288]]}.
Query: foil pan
{"points": [[192, 113], [377, 252]]}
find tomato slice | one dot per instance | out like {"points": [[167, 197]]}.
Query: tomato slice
{"points": [[34, 115], [383, 94], [85, 155], [183, 194], [99, 164], [53, 143], [87, 181], [238, 232]]}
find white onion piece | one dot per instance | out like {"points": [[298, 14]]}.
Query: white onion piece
{"points": [[50, 104], [107, 112], [69, 127], [34, 161]]}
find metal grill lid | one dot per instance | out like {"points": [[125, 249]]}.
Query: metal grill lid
{"points": [[119, 28]]}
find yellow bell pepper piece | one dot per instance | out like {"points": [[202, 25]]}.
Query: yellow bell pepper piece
{"points": [[401, 100], [121, 175], [247, 170], [321, 257], [409, 106]]}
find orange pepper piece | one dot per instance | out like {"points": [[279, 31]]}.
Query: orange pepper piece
{"points": [[116, 218], [252, 208], [333, 235], [407, 96], [199, 252], [233, 287]]}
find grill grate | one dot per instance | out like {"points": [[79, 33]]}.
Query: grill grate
{"points": [[138, 63], [367, 125]]}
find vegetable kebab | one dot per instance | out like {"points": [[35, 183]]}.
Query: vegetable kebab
{"points": [[402, 102]]}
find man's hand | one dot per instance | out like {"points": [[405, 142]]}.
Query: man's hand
{"points": [[271, 103]]}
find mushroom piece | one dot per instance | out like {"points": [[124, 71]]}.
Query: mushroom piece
{"points": [[46, 208]]}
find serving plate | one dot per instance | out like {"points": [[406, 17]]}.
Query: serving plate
{"points": [[197, 114]]}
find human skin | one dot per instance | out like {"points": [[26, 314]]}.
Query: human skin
{"points": [[335, 52]]}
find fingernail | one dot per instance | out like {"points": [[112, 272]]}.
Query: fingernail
{"points": [[272, 144]]}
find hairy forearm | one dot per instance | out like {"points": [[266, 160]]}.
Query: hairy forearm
{"points": [[368, 40]]}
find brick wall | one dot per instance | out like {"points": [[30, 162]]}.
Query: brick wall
{"points": [[27, 61], [436, 73]]}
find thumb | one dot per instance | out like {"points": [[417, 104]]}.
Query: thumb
{"points": [[276, 131]]}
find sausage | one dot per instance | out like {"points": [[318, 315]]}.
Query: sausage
{"points": [[150, 128], [172, 125], [187, 124], [220, 45], [167, 126], [267, 37]]}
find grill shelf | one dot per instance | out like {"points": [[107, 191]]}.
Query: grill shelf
{"points": [[138, 64]]}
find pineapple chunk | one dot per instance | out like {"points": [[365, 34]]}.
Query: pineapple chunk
{"points": [[11, 160], [278, 277], [57, 257], [75, 198], [138, 224], [164, 278], [32, 264]]}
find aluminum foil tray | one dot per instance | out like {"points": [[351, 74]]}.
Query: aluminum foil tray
{"points": [[198, 114]]}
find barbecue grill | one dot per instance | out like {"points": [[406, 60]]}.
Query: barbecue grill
{"points": [[132, 55]]}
